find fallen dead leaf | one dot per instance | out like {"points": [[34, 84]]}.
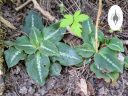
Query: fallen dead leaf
{"points": [[83, 86]]}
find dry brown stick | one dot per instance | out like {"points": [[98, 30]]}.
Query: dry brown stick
{"points": [[97, 24], [44, 13], [23, 5], [7, 23]]}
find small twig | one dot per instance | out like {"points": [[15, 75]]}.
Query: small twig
{"points": [[7, 23], [23, 5], [44, 13], [97, 23]]}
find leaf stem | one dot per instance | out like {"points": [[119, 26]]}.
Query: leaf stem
{"points": [[97, 23]]}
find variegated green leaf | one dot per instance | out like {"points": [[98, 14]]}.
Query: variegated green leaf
{"points": [[116, 44], [38, 67], [108, 77], [88, 28], [53, 32], [85, 50], [48, 48], [106, 59], [67, 56], [33, 19], [35, 36], [23, 43], [13, 56]]}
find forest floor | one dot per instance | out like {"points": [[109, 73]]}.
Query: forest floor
{"points": [[17, 81]]}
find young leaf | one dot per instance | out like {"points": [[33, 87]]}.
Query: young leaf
{"points": [[48, 48], [74, 22], [33, 19], [38, 67], [106, 60], [78, 17], [53, 32], [82, 17], [13, 56], [76, 29], [116, 44], [76, 26], [68, 20], [55, 69], [76, 14], [35, 36], [23, 43], [67, 56], [85, 50]]}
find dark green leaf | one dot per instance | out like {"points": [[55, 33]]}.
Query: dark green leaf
{"points": [[13, 56], [23, 43], [101, 36], [106, 76], [79, 65], [54, 33], [98, 73], [88, 28], [35, 37], [33, 19], [116, 44], [38, 67], [55, 69], [68, 56], [126, 61], [48, 48], [85, 50], [106, 59]]}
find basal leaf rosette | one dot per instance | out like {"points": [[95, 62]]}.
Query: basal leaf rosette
{"points": [[38, 47]]}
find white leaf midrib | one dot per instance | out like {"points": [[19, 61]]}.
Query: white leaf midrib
{"points": [[14, 56]]}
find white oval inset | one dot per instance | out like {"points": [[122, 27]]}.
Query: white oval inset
{"points": [[115, 18]]}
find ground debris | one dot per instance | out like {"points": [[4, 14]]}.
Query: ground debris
{"points": [[18, 83]]}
